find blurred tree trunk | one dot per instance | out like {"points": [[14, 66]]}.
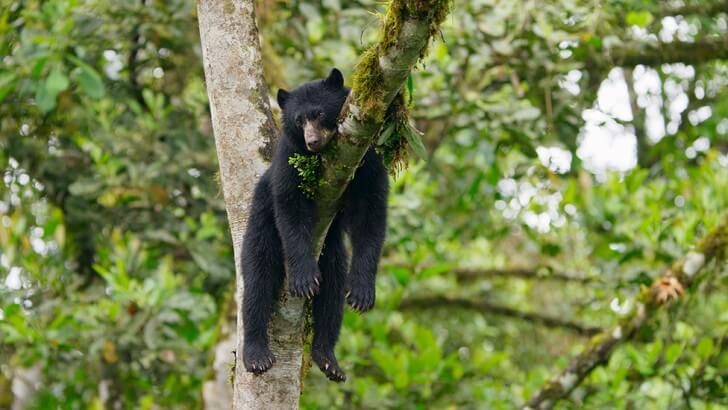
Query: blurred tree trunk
{"points": [[217, 390], [244, 132], [638, 120], [26, 381]]}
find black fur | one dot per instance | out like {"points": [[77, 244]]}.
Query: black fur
{"points": [[279, 235]]}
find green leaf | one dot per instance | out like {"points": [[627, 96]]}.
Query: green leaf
{"points": [[639, 18], [37, 69], [47, 92], [672, 353], [44, 100], [7, 82], [56, 83], [705, 347], [89, 79], [526, 114], [91, 83], [414, 140], [402, 275], [410, 87], [384, 136]]}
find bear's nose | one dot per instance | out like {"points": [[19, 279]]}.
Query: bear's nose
{"points": [[314, 145]]}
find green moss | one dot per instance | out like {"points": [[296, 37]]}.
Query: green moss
{"points": [[367, 87], [433, 12], [309, 169], [596, 340], [231, 374], [368, 79], [229, 7]]}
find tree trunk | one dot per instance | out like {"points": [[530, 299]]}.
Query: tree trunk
{"points": [[244, 133]]}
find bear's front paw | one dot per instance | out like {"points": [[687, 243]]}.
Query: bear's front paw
{"points": [[305, 285], [361, 297]]}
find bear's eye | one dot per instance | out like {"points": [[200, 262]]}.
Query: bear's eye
{"points": [[319, 115], [299, 120]]}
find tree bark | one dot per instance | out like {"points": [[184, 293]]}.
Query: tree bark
{"points": [[243, 129], [244, 133], [669, 287]]}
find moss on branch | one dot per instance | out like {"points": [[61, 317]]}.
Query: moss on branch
{"points": [[370, 88], [378, 78], [367, 85]]}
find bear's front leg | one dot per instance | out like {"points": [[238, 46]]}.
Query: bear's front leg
{"points": [[295, 216], [366, 217], [367, 230]]}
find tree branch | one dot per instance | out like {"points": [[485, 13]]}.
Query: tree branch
{"points": [[469, 274], [242, 126], [669, 287], [378, 78], [435, 302], [657, 53], [702, 8]]}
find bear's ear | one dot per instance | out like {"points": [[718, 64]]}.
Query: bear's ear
{"points": [[335, 79], [282, 97]]}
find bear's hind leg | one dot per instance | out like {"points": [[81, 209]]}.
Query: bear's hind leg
{"points": [[328, 305]]}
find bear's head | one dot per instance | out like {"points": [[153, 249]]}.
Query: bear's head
{"points": [[310, 112]]}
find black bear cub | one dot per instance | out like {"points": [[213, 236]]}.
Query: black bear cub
{"points": [[280, 229]]}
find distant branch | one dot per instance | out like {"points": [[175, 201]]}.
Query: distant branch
{"points": [[435, 302], [702, 8], [669, 287], [657, 53], [470, 274]]}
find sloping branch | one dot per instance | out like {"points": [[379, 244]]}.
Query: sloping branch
{"points": [[670, 286], [489, 308], [243, 128], [380, 73]]}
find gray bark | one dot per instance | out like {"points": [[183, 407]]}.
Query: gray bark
{"points": [[244, 131]]}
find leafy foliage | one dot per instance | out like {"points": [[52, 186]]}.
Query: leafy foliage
{"points": [[308, 168]]}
